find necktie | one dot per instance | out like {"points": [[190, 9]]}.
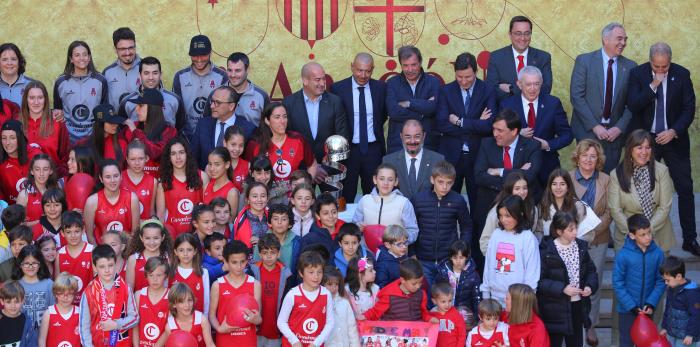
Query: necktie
{"points": [[531, 116], [220, 138], [507, 163], [521, 62], [608, 91], [412, 175], [467, 100], [659, 109], [363, 121]]}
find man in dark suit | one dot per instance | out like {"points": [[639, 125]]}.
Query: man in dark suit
{"points": [[313, 112], [498, 156], [506, 63], [662, 101], [411, 95], [543, 118], [599, 94], [464, 117], [210, 130], [414, 164], [363, 98]]}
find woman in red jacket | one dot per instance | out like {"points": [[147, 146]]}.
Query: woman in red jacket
{"points": [[14, 160], [41, 177], [525, 328]]}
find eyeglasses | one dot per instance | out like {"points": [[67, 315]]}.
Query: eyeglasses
{"points": [[521, 34], [216, 103], [124, 49], [30, 265], [401, 244]]}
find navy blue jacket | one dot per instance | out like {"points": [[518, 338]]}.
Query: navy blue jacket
{"points": [[438, 221], [387, 267], [421, 108], [204, 139], [318, 236], [682, 314], [473, 128], [636, 278], [468, 293]]}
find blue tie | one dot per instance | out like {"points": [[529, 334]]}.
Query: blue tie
{"points": [[659, 109], [467, 100], [363, 121]]}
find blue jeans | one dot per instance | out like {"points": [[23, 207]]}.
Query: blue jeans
{"points": [[430, 272], [625, 324], [679, 342]]}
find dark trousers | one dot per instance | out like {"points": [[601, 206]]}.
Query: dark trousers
{"points": [[678, 162], [625, 324], [465, 174], [430, 272], [575, 339], [612, 153], [361, 166]]}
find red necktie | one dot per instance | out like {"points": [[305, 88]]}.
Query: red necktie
{"points": [[507, 163], [531, 116], [521, 62]]}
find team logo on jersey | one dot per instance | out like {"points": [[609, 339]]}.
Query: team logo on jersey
{"points": [[282, 168], [65, 344], [212, 84], [80, 283], [151, 331], [185, 206], [161, 315], [85, 264], [92, 92], [145, 192], [122, 210], [291, 153], [252, 105], [115, 225], [199, 104], [310, 326], [110, 310], [80, 112], [21, 184], [198, 287]]}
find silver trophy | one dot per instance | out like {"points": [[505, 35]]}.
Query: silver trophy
{"points": [[336, 149]]}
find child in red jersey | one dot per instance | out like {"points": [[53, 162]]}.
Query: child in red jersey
{"points": [[152, 304], [306, 317], [41, 176], [227, 288], [222, 217], [453, 329], [490, 331], [107, 309], [203, 223], [76, 256], [402, 299], [234, 141], [184, 317], [117, 240], [53, 204], [59, 325], [187, 268], [151, 240], [136, 180], [220, 186]]}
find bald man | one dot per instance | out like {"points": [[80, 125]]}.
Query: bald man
{"points": [[315, 113]]}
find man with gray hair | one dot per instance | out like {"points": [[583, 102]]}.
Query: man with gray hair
{"points": [[599, 94], [662, 102], [543, 118]]}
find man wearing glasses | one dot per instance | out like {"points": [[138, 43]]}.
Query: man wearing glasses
{"points": [[506, 63], [123, 74]]}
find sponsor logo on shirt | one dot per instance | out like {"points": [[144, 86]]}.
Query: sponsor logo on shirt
{"points": [[226, 292], [57, 324], [184, 206], [302, 306]]}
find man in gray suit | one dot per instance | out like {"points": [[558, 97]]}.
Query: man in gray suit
{"points": [[599, 93], [414, 164], [506, 63]]}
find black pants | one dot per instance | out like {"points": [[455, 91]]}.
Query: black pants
{"points": [[465, 174], [678, 162], [361, 166], [575, 339]]}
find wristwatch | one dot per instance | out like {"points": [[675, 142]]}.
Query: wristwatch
{"points": [[459, 122]]}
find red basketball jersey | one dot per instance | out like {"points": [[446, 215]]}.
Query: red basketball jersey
{"points": [[145, 191], [195, 331], [196, 284], [210, 194], [63, 332], [33, 210], [152, 318], [13, 178], [294, 151], [152, 167], [227, 292], [179, 202], [140, 272], [80, 267], [240, 173], [115, 216], [308, 318]]}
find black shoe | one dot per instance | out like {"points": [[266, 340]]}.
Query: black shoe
{"points": [[692, 247]]}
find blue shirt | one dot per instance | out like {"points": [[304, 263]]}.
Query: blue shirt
{"points": [[312, 112], [14, 91]]}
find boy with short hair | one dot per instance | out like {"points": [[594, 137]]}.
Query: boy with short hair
{"points": [[273, 277], [19, 237], [324, 229], [637, 282], [453, 329], [490, 329], [107, 308], [391, 254], [226, 289], [349, 244], [280, 220], [222, 217], [75, 256], [11, 217], [298, 177], [681, 323], [213, 257], [402, 299], [17, 326]]}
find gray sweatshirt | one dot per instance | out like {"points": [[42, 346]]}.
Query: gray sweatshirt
{"points": [[194, 91], [122, 82], [77, 96]]}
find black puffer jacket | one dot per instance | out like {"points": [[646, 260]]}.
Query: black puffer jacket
{"points": [[437, 224], [468, 293], [555, 306]]}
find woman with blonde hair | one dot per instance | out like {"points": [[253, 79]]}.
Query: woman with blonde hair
{"points": [[525, 328]]}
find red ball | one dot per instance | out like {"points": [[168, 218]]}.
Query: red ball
{"points": [[660, 342], [373, 236], [179, 338], [235, 311], [643, 332], [78, 189]]}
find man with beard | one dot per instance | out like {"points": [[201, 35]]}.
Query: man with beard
{"points": [[123, 75], [414, 164]]}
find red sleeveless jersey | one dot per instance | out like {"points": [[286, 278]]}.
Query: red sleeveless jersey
{"points": [[145, 191], [179, 202], [140, 272], [210, 194], [80, 267], [34, 209], [115, 216], [12, 178], [240, 173], [294, 151], [195, 331], [244, 336], [63, 332], [308, 318], [152, 318], [196, 284], [152, 167]]}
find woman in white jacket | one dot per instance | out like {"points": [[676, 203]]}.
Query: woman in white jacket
{"points": [[345, 333]]}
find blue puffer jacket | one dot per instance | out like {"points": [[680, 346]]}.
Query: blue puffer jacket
{"points": [[342, 264], [438, 221], [682, 314], [468, 293], [636, 278], [387, 267]]}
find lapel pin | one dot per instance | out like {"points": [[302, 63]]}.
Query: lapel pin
{"points": [[673, 78]]}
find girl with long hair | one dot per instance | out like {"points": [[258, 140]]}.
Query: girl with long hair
{"points": [[220, 185], [137, 181], [40, 178], [15, 155]]}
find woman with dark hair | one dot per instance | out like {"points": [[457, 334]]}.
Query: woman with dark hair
{"points": [[559, 195], [180, 187], [41, 177], [79, 90], [15, 155], [150, 128], [220, 185], [81, 159], [106, 140], [640, 184], [12, 79]]}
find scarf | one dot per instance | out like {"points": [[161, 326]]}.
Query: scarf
{"points": [[642, 183], [589, 196]]}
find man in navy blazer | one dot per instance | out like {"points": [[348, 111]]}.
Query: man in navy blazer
{"points": [[464, 117], [662, 102], [210, 130], [365, 119], [505, 63], [412, 95], [544, 118]]}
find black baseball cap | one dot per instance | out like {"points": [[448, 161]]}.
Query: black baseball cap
{"points": [[105, 113], [148, 96], [200, 45]]}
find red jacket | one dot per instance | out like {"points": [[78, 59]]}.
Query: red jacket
{"points": [[154, 149], [388, 298], [241, 224], [56, 145], [530, 334], [453, 328]]}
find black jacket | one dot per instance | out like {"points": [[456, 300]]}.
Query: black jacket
{"points": [[438, 224], [318, 236], [468, 294], [555, 306]]}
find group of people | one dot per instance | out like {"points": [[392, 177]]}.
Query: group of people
{"points": [[133, 214]]}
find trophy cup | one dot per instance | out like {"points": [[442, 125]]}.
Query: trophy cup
{"points": [[336, 149]]}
